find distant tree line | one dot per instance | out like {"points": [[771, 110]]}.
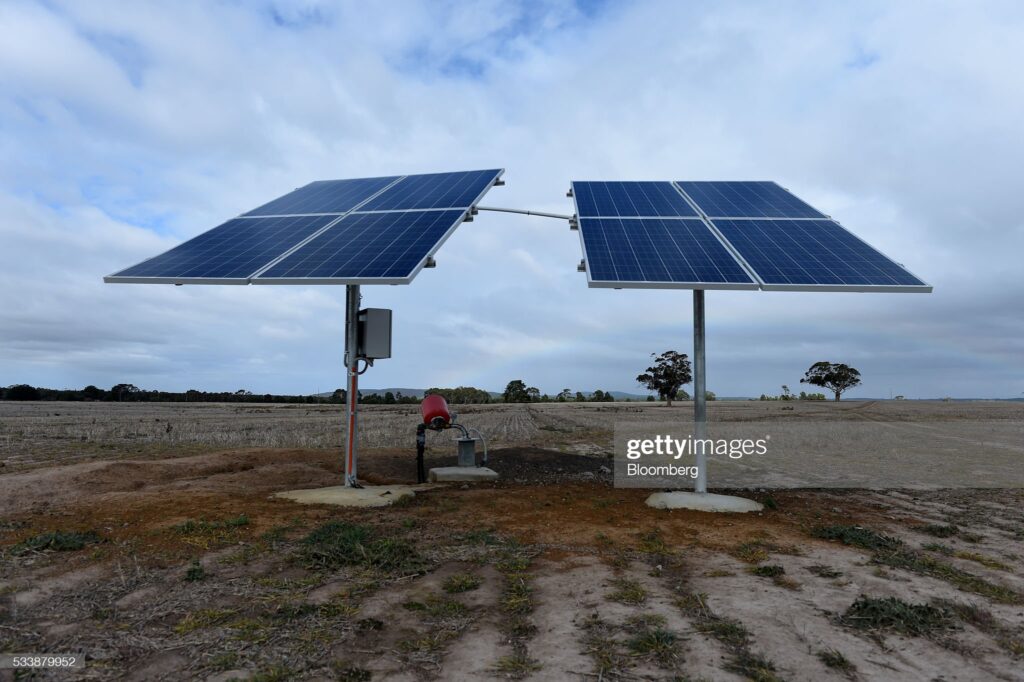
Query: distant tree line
{"points": [[386, 398], [789, 395], [518, 392], [671, 370], [461, 395], [129, 393]]}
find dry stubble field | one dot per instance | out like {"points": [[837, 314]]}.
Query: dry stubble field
{"points": [[144, 537]]}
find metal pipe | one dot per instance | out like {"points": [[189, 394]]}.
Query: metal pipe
{"points": [[700, 415], [421, 445], [484, 441], [352, 394], [542, 214]]}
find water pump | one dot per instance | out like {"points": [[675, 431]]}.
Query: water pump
{"points": [[437, 417]]}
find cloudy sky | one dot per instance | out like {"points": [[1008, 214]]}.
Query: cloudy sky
{"points": [[126, 128]]}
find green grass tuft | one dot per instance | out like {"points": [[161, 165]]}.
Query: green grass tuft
{"points": [[203, 618], [891, 552], [202, 526], [195, 572], [518, 596], [939, 548], [753, 666], [627, 591], [891, 613], [751, 552], [58, 540], [768, 571], [462, 582], [656, 642], [823, 571], [651, 542], [836, 660], [858, 536], [349, 673], [339, 543], [437, 607], [517, 666], [986, 561], [725, 630]]}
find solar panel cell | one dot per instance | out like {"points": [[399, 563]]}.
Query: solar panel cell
{"points": [[324, 196], [746, 200], [630, 199], [812, 253], [235, 250], [364, 246], [659, 252], [436, 190]]}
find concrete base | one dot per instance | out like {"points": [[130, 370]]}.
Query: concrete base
{"points": [[469, 474], [706, 502], [344, 496]]}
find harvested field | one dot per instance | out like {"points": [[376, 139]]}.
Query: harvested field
{"points": [[159, 554]]}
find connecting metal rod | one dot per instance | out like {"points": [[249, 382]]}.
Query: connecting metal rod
{"points": [[542, 214]]}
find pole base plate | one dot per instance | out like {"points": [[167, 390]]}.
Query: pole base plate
{"points": [[703, 502], [347, 496], [461, 474]]}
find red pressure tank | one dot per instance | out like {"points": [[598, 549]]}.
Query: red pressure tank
{"points": [[435, 411]]}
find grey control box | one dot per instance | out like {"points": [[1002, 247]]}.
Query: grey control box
{"points": [[374, 333]]}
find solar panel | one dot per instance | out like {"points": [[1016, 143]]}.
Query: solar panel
{"points": [[747, 200], [813, 255], [437, 190], [751, 234], [231, 252], [658, 253], [324, 196], [386, 248], [378, 238], [629, 199]]}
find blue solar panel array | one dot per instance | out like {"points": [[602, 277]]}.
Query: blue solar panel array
{"points": [[324, 196], [234, 250], [654, 250], [811, 252], [438, 190], [750, 234], [747, 200], [366, 246], [383, 234], [630, 199]]}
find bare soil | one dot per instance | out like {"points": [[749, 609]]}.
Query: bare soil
{"points": [[574, 579]]}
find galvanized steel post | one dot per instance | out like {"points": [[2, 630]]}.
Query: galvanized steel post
{"points": [[352, 367], [700, 414]]}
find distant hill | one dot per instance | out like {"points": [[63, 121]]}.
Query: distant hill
{"points": [[415, 392]]}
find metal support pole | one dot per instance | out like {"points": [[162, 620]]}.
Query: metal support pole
{"points": [[700, 414], [352, 392]]}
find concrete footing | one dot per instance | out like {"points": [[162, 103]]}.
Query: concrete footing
{"points": [[344, 496], [467, 474], [702, 502]]}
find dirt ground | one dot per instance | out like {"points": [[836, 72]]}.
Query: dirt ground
{"points": [[187, 568]]}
